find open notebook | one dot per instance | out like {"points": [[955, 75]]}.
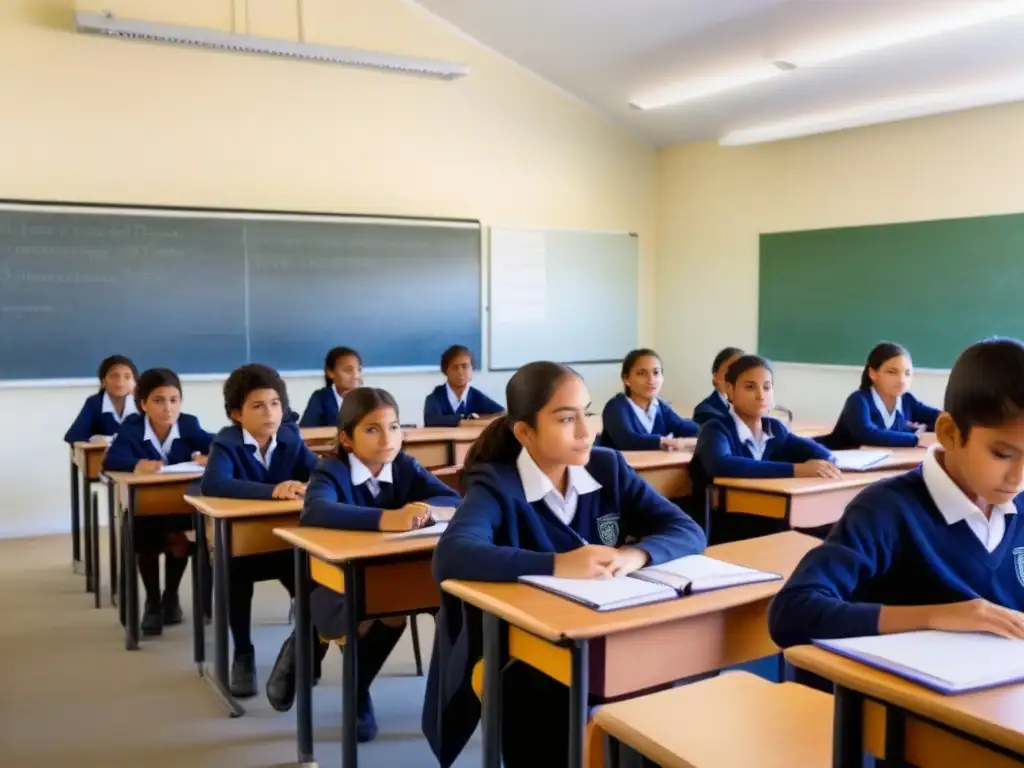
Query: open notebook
{"points": [[859, 460], [430, 530], [676, 578], [184, 468], [947, 662]]}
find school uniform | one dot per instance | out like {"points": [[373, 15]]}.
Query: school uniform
{"points": [[713, 406], [915, 539], [512, 522], [443, 408], [99, 417], [865, 421], [628, 427], [322, 408]]}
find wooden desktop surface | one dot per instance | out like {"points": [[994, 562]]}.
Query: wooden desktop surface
{"points": [[88, 457], [342, 546], [801, 486], [156, 493]]}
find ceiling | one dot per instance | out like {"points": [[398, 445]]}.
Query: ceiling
{"points": [[607, 52]]}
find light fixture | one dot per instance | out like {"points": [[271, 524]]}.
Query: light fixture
{"points": [[977, 12], [884, 111], [90, 22]]}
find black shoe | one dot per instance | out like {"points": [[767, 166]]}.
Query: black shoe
{"points": [[366, 721], [322, 646], [152, 620], [281, 683], [243, 676], [172, 610]]}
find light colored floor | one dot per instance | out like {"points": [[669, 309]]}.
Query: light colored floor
{"points": [[70, 695]]}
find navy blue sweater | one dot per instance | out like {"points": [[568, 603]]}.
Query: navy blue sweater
{"points": [[893, 547], [91, 420], [333, 502], [623, 430], [130, 446], [437, 411], [711, 407], [234, 472], [496, 535], [322, 409], [861, 423]]}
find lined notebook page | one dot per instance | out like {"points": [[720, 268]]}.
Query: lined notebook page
{"points": [[703, 573], [604, 594], [184, 468], [859, 459], [431, 530], [947, 661]]}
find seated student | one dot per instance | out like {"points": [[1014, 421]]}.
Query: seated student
{"points": [[104, 412], [883, 412], [259, 457], [371, 485], [637, 420], [938, 547], [457, 401], [539, 501], [717, 403], [145, 442], [343, 372]]}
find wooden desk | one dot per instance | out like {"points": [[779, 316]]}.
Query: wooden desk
{"points": [[380, 577], [430, 446], [140, 496], [736, 719], [618, 653], [908, 724], [86, 466], [811, 429], [668, 472]]}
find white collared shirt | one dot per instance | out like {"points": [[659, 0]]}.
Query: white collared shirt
{"points": [[887, 418], [128, 410], [337, 396], [360, 474], [746, 436], [164, 448], [723, 398], [646, 417], [537, 486], [954, 505], [262, 458], [454, 400]]}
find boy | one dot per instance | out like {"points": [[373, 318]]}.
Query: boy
{"points": [[941, 547], [258, 457]]}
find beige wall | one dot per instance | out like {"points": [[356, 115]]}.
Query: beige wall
{"points": [[714, 202], [104, 120]]}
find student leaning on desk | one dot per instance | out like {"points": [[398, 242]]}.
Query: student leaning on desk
{"points": [[539, 501], [103, 413], [941, 547]]}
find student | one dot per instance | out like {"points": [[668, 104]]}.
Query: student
{"points": [[940, 547], [258, 457], [371, 485], [161, 434], [636, 420], [717, 403], [343, 372], [457, 401], [883, 412], [539, 501], [104, 412]]}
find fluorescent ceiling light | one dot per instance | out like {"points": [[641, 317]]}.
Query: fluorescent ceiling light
{"points": [[963, 17], [886, 111]]}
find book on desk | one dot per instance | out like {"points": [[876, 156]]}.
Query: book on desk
{"points": [[859, 460]]}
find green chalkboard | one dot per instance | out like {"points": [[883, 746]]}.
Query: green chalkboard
{"points": [[829, 295]]}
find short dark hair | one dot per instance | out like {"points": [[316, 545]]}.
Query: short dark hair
{"points": [[153, 379], [630, 360], [358, 404], [885, 350], [335, 355], [109, 362], [725, 356], [986, 385], [744, 364], [456, 350], [247, 379]]}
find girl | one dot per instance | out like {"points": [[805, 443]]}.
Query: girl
{"points": [[456, 401], [717, 403], [104, 412], [637, 420], [539, 500], [160, 435], [370, 486], [882, 411], [343, 372]]}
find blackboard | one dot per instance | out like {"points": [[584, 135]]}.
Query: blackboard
{"points": [[202, 291]]}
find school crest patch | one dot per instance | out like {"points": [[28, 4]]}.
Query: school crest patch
{"points": [[608, 530], [1018, 563]]}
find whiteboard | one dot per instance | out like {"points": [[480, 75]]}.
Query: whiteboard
{"points": [[562, 295]]}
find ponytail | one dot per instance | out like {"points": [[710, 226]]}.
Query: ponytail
{"points": [[879, 355], [495, 444]]}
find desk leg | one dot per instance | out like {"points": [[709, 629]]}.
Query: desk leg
{"points": [[495, 637], [130, 596], [303, 661], [579, 694], [848, 729], [709, 494], [86, 542], [219, 680], [349, 677], [95, 544], [112, 541], [198, 586], [895, 737], [76, 541]]}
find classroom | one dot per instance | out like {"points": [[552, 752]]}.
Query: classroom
{"points": [[588, 179]]}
